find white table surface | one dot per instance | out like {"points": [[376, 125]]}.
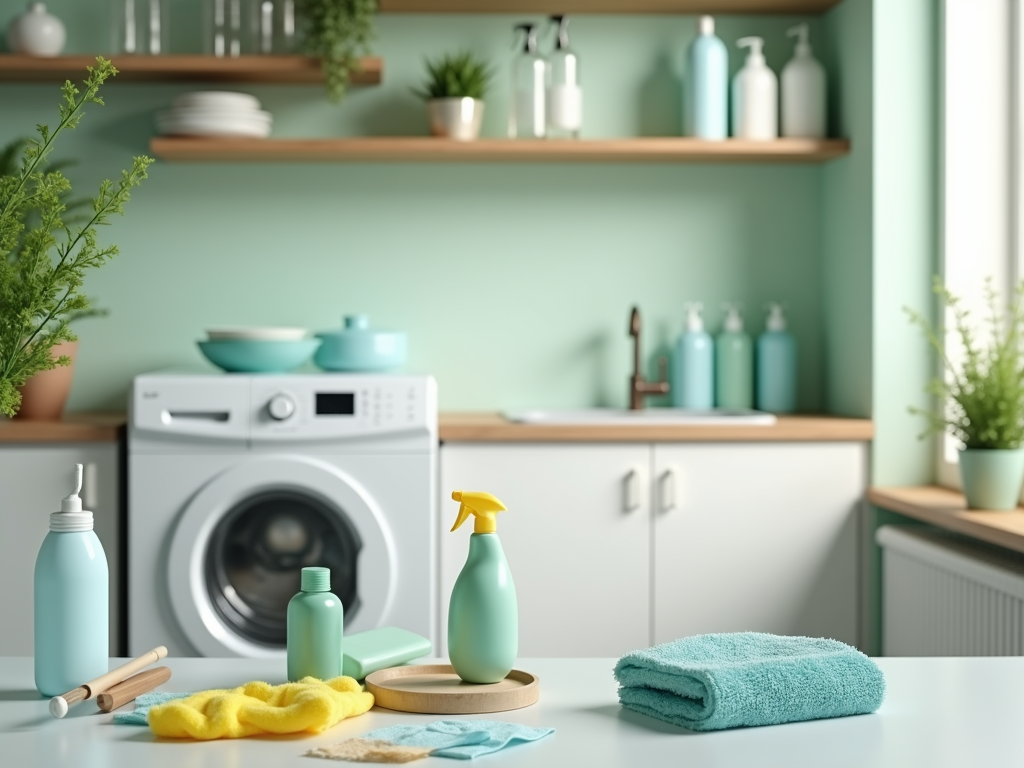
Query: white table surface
{"points": [[938, 712]]}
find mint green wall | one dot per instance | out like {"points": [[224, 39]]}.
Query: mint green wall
{"points": [[525, 271]]}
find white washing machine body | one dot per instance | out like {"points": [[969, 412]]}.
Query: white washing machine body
{"points": [[236, 482]]}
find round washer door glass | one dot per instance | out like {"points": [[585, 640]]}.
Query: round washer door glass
{"points": [[257, 551]]}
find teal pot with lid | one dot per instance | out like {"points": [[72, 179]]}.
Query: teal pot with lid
{"points": [[357, 347], [992, 478]]}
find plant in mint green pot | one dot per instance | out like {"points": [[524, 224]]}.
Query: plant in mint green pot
{"points": [[983, 397]]}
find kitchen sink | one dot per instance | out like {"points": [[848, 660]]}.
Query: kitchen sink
{"points": [[647, 416]]}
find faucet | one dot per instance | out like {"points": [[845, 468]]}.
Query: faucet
{"points": [[639, 388]]}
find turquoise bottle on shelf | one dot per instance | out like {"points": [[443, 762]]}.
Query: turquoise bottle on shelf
{"points": [[734, 364], [776, 365], [483, 616], [316, 621], [706, 87], [70, 601], [693, 365]]}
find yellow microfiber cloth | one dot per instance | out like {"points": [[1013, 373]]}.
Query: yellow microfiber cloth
{"points": [[309, 705]]}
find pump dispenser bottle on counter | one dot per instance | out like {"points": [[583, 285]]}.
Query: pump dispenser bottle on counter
{"points": [[693, 382], [483, 616], [776, 365], [565, 96], [803, 90], [755, 96], [527, 119], [71, 600], [706, 89], [734, 364]]}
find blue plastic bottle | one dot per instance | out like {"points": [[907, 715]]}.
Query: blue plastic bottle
{"points": [[706, 89], [71, 601], [694, 365], [776, 365]]}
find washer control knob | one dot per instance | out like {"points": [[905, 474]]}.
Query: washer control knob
{"points": [[281, 407]]}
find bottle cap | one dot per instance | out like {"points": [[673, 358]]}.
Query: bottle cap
{"points": [[316, 580], [694, 322], [483, 505], [803, 33], [733, 321], [71, 516], [756, 46], [706, 25], [776, 320]]}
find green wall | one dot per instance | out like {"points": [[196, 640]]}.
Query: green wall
{"points": [[514, 281]]}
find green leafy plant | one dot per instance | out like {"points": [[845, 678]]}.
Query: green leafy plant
{"points": [[338, 32], [456, 76], [982, 399], [43, 254]]}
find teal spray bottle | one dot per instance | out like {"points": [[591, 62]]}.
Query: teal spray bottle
{"points": [[483, 616]]}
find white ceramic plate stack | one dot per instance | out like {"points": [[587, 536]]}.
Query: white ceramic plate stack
{"points": [[215, 113]]}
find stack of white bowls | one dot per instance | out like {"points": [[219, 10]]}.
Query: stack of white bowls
{"points": [[215, 113]]}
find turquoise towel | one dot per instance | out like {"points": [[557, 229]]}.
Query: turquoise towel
{"points": [[461, 739], [709, 682], [143, 703]]}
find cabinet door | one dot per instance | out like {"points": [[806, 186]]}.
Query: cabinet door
{"points": [[758, 537], [33, 480], [576, 536]]}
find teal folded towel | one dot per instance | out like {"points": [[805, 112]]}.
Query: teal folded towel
{"points": [[460, 739], [143, 703], [709, 682]]}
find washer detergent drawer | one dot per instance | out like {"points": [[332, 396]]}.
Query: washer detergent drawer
{"points": [[210, 408]]}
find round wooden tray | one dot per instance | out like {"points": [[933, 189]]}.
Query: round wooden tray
{"points": [[435, 689]]}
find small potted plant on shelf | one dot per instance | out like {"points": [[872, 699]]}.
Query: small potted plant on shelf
{"points": [[454, 93], [982, 398]]}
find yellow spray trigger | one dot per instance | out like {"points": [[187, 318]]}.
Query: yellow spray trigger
{"points": [[483, 505]]}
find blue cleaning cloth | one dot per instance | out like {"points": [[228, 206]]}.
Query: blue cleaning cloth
{"points": [[460, 739], [709, 682], [143, 703]]}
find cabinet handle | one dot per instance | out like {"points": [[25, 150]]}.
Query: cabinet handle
{"points": [[667, 490], [90, 497], [631, 491]]}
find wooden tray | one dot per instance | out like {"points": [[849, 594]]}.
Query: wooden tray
{"points": [[435, 689]]}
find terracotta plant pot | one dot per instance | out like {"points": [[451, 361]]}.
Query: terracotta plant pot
{"points": [[44, 395]]}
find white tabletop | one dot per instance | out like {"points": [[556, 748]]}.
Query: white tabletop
{"points": [[938, 712]]}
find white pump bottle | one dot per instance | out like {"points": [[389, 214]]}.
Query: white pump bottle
{"points": [[755, 96], [803, 90]]}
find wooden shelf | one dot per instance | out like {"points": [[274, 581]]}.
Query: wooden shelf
{"points": [[426, 149], [946, 508], [15, 68], [100, 427], [606, 6]]}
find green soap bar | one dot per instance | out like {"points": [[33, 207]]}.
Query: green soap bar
{"points": [[380, 648]]}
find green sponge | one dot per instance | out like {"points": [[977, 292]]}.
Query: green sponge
{"points": [[380, 648]]}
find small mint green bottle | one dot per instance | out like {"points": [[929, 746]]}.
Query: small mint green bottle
{"points": [[734, 364], [776, 365], [483, 616], [316, 621]]}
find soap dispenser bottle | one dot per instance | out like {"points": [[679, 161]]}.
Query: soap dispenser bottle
{"points": [[755, 96], [483, 616], [693, 384], [315, 628], [529, 85], [565, 96], [776, 365], [803, 90], [706, 94], [734, 364], [71, 601]]}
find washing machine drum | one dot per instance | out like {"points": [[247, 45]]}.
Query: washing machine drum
{"points": [[242, 541]]}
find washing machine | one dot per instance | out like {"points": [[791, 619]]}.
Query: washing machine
{"points": [[237, 482]]}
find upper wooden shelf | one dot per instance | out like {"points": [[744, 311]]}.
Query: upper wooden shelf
{"points": [[606, 6], [100, 427], [427, 149], [194, 69]]}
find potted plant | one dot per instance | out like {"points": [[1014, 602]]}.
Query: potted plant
{"points": [[454, 92], [44, 255], [983, 397], [337, 32]]}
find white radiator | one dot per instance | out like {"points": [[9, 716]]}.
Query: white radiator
{"points": [[942, 596]]}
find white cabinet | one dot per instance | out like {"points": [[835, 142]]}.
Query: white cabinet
{"points": [[33, 480], [576, 536], [618, 546]]}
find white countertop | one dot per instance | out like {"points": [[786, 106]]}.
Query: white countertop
{"points": [[938, 712]]}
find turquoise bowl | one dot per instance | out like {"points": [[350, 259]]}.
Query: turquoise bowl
{"points": [[258, 356], [357, 347]]}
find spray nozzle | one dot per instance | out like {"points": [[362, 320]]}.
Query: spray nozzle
{"points": [[71, 503], [485, 506], [530, 30], [756, 46], [733, 320], [563, 31], [694, 323], [776, 320], [803, 34]]}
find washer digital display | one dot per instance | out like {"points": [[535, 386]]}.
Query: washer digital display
{"points": [[335, 404]]}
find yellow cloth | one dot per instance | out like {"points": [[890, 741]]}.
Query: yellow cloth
{"points": [[309, 705]]}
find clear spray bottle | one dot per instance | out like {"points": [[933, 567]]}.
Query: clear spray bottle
{"points": [[565, 96], [526, 117]]}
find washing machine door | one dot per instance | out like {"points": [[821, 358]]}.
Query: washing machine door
{"points": [[241, 542]]}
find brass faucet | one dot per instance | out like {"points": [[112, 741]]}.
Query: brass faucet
{"points": [[639, 388]]}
